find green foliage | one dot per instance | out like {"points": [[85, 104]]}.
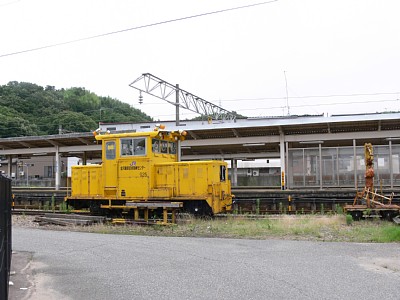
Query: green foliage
{"points": [[29, 109], [339, 209], [349, 219], [391, 233], [257, 206], [204, 118]]}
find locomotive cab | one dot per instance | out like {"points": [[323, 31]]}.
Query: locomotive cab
{"points": [[128, 161]]}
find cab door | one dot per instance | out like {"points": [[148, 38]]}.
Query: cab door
{"points": [[110, 174]]}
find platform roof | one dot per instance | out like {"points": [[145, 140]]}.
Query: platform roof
{"points": [[260, 137], [242, 138], [71, 144]]}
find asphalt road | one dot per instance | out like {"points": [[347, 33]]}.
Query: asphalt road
{"points": [[74, 265]]}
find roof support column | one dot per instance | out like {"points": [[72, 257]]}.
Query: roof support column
{"points": [[355, 163], [179, 151], [84, 158], [234, 172], [288, 182], [320, 165], [57, 168], [391, 164], [282, 157], [9, 166]]}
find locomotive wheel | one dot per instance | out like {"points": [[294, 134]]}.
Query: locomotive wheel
{"points": [[356, 214], [197, 208], [387, 215]]}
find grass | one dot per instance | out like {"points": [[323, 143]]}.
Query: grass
{"points": [[294, 227]]}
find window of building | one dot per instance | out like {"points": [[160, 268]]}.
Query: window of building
{"points": [[48, 171]]}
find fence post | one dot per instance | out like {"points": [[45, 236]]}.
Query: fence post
{"points": [[5, 235]]}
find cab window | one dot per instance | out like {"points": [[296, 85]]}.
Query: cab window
{"points": [[159, 146], [222, 173], [155, 145], [164, 147], [172, 148], [133, 147]]}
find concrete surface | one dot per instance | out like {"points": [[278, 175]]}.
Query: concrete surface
{"points": [[73, 265]]}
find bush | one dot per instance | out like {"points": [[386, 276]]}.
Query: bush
{"points": [[349, 219]]}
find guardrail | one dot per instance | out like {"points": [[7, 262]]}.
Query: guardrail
{"points": [[5, 235]]}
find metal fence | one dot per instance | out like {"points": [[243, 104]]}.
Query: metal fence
{"points": [[5, 235]]}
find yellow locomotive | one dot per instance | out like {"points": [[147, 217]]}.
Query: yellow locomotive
{"points": [[141, 170]]}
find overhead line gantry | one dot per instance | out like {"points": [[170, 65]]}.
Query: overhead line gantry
{"points": [[157, 87]]}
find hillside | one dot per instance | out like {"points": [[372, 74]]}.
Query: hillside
{"points": [[29, 109]]}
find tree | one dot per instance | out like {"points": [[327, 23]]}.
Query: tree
{"points": [[71, 122], [29, 109]]}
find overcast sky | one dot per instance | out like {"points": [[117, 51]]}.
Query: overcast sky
{"points": [[331, 51]]}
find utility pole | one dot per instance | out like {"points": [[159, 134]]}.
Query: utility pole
{"points": [[177, 105], [287, 95]]}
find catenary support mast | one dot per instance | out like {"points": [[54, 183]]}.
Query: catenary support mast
{"points": [[161, 89]]}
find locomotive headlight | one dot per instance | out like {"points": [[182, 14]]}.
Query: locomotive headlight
{"points": [[182, 132]]}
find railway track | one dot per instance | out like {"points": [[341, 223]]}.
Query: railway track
{"points": [[251, 200], [45, 217]]}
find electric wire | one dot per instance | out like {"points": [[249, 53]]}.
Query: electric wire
{"points": [[300, 106], [310, 96], [9, 3], [136, 28]]}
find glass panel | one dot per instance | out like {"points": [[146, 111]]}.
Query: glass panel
{"points": [[381, 166], [311, 157], [110, 150], [339, 167], [296, 168], [396, 164], [126, 147], [222, 173], [329, 167], [164, 147], [172, 148], [155, 145], [140, 146], [131, 147], [346, 166]]}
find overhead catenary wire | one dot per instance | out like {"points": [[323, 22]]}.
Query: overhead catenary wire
{"points": [[136, 28], [302, 106], [248, 109], [306, 105], [310, 96]]}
